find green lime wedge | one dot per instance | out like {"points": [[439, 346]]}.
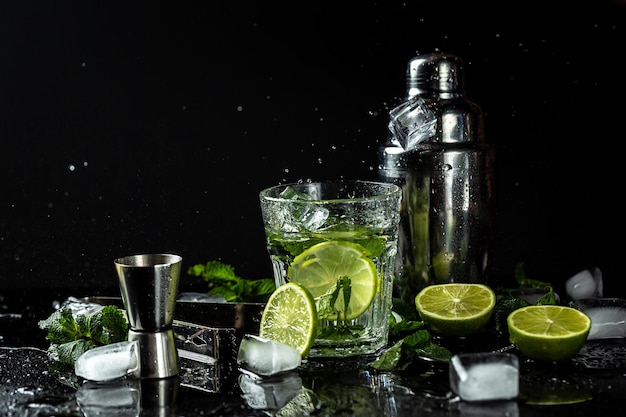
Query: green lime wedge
{"points": [[548, 332], [290, 317], [455, 309]]}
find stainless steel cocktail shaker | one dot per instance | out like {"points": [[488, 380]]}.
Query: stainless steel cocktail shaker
{"points": [[447, 178]]}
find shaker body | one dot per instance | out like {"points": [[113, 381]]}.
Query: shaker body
{"points": [[460, 211], [446, 217], [447, 211]]}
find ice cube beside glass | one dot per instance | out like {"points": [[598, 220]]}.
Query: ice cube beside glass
{"points": [[485, 376], [269, 393], [266, 357]]}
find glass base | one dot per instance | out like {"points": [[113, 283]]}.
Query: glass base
{"points": [[333, 349]]}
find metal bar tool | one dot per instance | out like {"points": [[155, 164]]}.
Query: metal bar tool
{"points": [[149, 286]]}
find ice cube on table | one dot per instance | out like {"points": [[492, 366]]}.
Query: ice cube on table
{"points": [[266, 357], [120, 398], [485, 376], [608, 316], [269, 393], [108, 362], [585, 284]]}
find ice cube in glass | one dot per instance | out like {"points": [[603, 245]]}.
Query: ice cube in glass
{"points": [[485, 376], [266, 357]]}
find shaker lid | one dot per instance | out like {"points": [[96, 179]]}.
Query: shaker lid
{"points": [[441, 75], [450, 75], [420, 76], [429, 75]]}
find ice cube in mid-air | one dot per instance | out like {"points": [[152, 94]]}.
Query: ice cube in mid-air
{"points": [[411, 123], [266, 357], [108, 362], [608, 316], [485, 376]]}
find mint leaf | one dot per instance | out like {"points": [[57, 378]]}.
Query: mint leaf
{"points": [[226, 292], [420, 344], [404, 309], [222, 281], [390, 359], [215, 273], [405, 327], [403, 353], [61, 326], [505, 305], [114, 324], [260, 289], [68, 353]]}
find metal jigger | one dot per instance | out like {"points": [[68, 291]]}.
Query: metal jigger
{"points": [[149, 286]]}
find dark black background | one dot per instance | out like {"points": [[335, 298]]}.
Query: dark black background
{"points": [[136, 127]]}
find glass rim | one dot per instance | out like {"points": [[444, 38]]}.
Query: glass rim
{"points": [[391, 190]]}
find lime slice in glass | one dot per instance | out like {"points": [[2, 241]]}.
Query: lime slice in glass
{"points": [[321, 266]]}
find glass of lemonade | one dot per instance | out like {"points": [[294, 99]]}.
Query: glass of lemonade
{"points": [[339, 240]]}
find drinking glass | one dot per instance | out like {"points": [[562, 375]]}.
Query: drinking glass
{"points": [[338, 239]]}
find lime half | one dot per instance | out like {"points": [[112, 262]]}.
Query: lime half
{"points": [[455, 309], [321, 267], [548, 332], [290, 317]]}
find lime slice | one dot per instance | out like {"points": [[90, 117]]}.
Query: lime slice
{"points": [[290, 317], [458, 309], [321, 266], [548, 332]]}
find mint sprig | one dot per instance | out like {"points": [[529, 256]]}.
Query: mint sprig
{"points": [[72, 335], [222, 281], [404, 352]]}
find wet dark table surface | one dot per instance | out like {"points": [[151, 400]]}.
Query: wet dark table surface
{"points": [[592, 382]]}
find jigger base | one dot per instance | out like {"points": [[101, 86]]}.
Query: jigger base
{"points": [[157, 353]]}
